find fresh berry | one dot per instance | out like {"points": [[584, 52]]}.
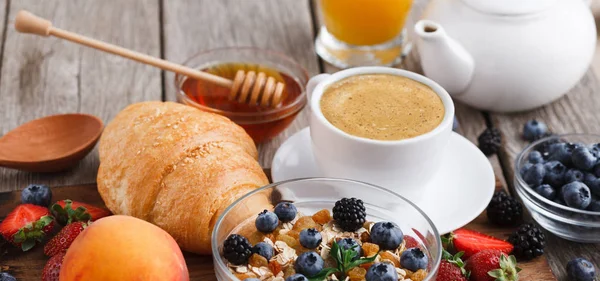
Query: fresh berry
{"points": [[387, 235], [4, 276], [561, 152], [596, 170], [529, 242], [595, 149], [593, 183], [309, 264], [504, 210], [349, 214], [472, 242], [411, 242], [63, 240], [264, 249], [583, 159], [490, 265], [535, 175], [535, 157], [349, 243], [574, 175], [452, 268], [26, 225], [546, 191], [52, 268], [236, 249], [594, 205], [381, 271], [36, 194], [576, 195], [414, 259], [580, 269], [525, 168], [266, 221], [297, 277], [68, 211], [490, 141], [286, 211], [310, 238], [534, 130], [555, 173], [544, 147]]}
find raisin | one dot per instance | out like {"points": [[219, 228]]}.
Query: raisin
{"points": [[289, 240], [322, 216], [357, 274], [390, 257], [306, 222], [257, 260], [370, 249], [275, 267]]}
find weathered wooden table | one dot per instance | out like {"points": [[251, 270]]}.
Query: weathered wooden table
{"points": [[49, 76]]}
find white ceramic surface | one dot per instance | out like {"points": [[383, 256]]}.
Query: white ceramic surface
{"points": [[401, 166], [457, 193], [509, 55]]}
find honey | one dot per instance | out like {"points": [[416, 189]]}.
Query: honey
{"points": [[261, 123]]}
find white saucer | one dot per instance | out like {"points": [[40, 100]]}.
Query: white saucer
{"points": [[459, 192]]}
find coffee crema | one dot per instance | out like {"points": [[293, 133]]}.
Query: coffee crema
{"points": [[382, 107]]}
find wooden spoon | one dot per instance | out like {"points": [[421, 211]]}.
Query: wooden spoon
{"points": [[50, 144]]}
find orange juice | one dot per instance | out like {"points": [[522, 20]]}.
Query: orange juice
{"points": [[365, 22]]}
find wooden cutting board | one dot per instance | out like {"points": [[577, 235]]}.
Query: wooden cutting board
{"points": [[28, 265]]}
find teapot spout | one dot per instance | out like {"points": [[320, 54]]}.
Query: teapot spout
{"points": [[443, 59]]}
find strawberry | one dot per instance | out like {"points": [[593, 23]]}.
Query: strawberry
{"points": [[493, 265], [452, 268], [51, 270], [64, 238], [26, 225], [411, 242], [471, 242], [67, 211]]}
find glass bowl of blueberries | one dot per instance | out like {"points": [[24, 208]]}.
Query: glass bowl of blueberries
{"points": [[324, 229], [558, 180]]}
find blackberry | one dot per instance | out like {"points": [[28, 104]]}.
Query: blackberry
{"points": [[349, 214], [504, 210], [236, 249], [529, 242], [490, 141]]}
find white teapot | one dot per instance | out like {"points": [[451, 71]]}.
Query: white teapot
{"points": [[506, 55]]}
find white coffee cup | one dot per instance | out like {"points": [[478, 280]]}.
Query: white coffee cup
{"points": [[404, 166]]}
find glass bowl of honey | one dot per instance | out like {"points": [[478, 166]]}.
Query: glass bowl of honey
{"points": [[261, 123]]}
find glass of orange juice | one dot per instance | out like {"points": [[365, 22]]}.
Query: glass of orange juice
{"points": [[362, 32]]}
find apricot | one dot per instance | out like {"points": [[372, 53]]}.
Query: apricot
{"points": [[123, 248]]}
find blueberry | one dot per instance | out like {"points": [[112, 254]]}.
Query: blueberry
{"points": [[595, 149], [349, 243], [535, 157], [594, 205], [596, 170], [580, 269], [413, 259], [297, 277], [309, 264], [534, 130], [583, 159], [286, 211], [576, 195], [263, 249], [4, 276], [561, 152], [37, 194], [535, 175], [310, 238], [266, 221], [555, 173], [574, 175], [381, 272], [593, 183], [546, 191], [524, 168], [387, 235]]}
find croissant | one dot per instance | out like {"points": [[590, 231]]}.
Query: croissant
{"points": [[176, 167]]}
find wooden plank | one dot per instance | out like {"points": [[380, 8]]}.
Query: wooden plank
{"points": [[44, 76], [282, 25]]}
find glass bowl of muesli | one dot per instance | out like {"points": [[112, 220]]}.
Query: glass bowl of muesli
{"points": [[324, 229]]}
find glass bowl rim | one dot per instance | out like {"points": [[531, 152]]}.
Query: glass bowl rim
{"points": [[297, 104], [520, 182], [215, 246]]}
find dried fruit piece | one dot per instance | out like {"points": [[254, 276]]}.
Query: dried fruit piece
{"points": [[419, 275], [390, 257], [274, 267], [245, 275], [357, 274], [288, 271], [294, 233], [257, 260], [256, 237], [365, 237], [304, 223], [322, 216], [370, 249], [289, 240]]}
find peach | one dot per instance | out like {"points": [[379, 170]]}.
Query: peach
{"points": [[123, 248]]}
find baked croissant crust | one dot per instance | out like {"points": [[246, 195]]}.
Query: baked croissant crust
{"points": [[177, 167]]}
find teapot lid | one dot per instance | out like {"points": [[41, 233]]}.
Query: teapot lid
{"points": [[510, 7]]}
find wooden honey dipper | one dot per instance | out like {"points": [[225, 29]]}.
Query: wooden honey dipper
{"points": [[249, 88]]}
